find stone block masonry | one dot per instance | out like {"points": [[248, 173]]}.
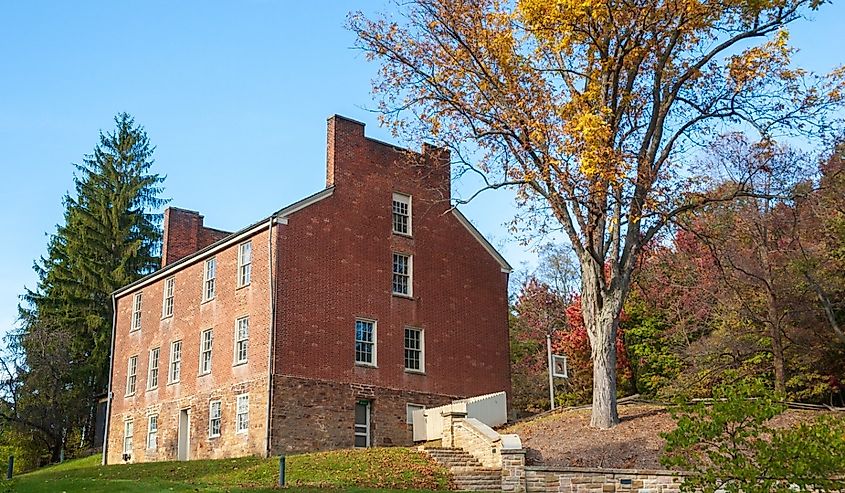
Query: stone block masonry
{"points": [[586, 480], [311, 415]]}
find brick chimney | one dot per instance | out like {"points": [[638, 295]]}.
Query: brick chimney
{"points": [[344, 137], [184, 234]]}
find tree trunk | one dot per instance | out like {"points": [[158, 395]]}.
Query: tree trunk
{"points": [[778, 360], [600, 310]]}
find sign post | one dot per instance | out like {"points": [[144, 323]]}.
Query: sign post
{"points": [[551, 375], [558, 368]]}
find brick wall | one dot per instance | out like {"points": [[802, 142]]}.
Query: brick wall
{"points": [[191, 316], [310, 414], [335, 265]]}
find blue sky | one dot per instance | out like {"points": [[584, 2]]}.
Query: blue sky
{"points": [[235, 96]]}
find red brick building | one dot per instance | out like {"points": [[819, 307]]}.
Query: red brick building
{"points": [[318, 327]]}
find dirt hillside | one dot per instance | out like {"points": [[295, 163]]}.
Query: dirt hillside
{"points": [[565, 438]]}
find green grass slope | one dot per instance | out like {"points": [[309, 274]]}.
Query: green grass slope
{"points": [[348, 470]]}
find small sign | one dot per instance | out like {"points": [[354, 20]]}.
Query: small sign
{"points": [[560, 369]]}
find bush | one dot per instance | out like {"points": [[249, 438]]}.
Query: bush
{"points": [[728, 446]]}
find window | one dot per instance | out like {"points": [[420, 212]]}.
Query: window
{"points": [[136, 312], [167, 303], [152, 431], [128, 431], [215, 415], [402, 274], [131, 375], [205, 352], [241, 340], [242, 418], [409, 411], [365, 342], [401, 214], [208, 279], [152, 376], [414, 360], [244, 263], [175, 361]]}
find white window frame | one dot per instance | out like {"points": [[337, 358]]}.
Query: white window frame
{"points": [[136, 312], [241, 345], [373, 343], [245, 264], [131, 375], [209, 279], [174, 372], [241, 411], [128, 433], [401, 198], [421, 350], [206, 345], [212, 418], [410, 407], [167, 297], [152, 431], [409, 264], [152, 368]]}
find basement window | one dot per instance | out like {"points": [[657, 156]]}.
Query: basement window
{"points": [[409, 411], [128, 431], [215, 416], [242, 418], [152, 432]]}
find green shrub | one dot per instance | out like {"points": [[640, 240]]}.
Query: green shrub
{"points": [[728, 446]]}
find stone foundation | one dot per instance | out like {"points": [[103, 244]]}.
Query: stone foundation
{"points": [[228, 444], [310, 415]]}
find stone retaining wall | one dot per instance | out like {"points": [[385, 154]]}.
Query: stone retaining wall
{"points": [[588, 480]]}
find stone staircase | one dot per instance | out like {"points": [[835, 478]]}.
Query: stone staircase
{"points": [[468, 474]]}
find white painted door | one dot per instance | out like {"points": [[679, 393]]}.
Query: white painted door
{"points": [[184, 438], [362, 424]]}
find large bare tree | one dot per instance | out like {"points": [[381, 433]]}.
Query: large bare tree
{"points": [[593, 110]]}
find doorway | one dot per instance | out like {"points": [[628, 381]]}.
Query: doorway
{"points": [[184, 436], [362, 424]]}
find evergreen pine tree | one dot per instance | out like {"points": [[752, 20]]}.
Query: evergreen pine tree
{"points": [[110, 238]]}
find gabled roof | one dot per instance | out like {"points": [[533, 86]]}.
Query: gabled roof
{"points": [[506, 267], [228, 240]]}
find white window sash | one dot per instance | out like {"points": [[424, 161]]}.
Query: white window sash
{"points": [[241, 340], [152, 372], [244, 264], [242, 414], [136, 312]]}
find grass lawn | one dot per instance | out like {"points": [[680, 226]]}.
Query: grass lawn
{"points": [[348, 470]]}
